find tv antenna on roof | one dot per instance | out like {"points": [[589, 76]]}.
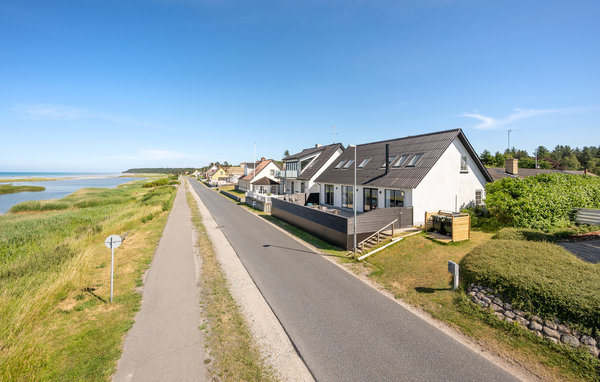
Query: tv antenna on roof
{"points": [[333, 134]]}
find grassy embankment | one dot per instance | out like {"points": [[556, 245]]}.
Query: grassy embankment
{"points": [[55, 280], [235, 356], [10, 189], [415, 271]]}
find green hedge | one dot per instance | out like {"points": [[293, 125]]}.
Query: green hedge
{"points": [[538, 277], [545, 201]]}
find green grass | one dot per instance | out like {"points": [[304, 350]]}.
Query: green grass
{"points": [[235, 355], [56, 323], [26, 180], [10, 189], [157, 182], [541, 278], [415, 271], [538, 235]]}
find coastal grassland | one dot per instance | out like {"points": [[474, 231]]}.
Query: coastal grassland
{"points": [[415, 271], [10, 189], [55, 280], [235, 355], [26, 180]]}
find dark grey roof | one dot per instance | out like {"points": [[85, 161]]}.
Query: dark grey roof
{"points": [[264, 181], [432, 145], [305, 152], [319, 161]]}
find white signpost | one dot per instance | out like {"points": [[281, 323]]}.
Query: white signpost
{"points": [[453, 269], [112, 242]]}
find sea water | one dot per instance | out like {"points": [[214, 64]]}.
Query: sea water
{"points": [[55, 189]]}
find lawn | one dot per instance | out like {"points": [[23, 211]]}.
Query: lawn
{"points": [[55, 278]]}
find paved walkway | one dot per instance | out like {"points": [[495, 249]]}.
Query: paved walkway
{"points": [[586, 250], [165, 343], [343, 329]]}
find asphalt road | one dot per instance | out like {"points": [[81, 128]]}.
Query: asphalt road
{"points": [[343, 329]]}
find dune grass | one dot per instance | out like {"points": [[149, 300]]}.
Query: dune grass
{"points": [[10, 189], [55, 277]]}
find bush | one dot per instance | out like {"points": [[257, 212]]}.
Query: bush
{"points": [[538, 235], [156, 183], [544, 202], [481, 218], [538, 277]]}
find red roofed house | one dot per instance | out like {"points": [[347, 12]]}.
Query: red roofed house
{"points": [[261, 179]]}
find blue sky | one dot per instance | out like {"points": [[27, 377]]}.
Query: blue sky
{"points": [[101, 85]]}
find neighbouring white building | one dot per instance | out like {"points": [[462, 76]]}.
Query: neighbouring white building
{"points": [[303, 168], [429, 172]]}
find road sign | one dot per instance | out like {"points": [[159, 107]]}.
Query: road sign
{"points": [[113, 241]]}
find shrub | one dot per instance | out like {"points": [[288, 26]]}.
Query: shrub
{"points": [[544, 202], [156, 183], [39, 206], [538, 277]]}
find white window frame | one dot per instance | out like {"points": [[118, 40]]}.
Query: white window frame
{"points": [[480, 193], [464, 161]]}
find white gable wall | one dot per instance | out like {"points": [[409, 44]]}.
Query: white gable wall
{"points": [[312, 186], [445, 187]]}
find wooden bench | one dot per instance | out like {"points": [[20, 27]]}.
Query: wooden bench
{"points": [[587, 216]]}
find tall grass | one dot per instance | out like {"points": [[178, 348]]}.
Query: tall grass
{"points": [[10, 189], [55, 321]]}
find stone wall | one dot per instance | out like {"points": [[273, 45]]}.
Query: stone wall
{"points": [[553, 331]]}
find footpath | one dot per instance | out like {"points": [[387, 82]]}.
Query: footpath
{"points": [[165, 342]]}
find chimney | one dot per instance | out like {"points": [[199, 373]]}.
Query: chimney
{"points": [[511, 166], [262, 159], [318, 145], [387, 158]]}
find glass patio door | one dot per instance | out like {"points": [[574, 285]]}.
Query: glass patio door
{"points": [[369, 199]]}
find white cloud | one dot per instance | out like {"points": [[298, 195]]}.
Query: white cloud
{"points": [[489, 123], [60, 112]]}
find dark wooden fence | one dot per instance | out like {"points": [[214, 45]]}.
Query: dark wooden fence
{"points": [[339, 230], [231, 196]]}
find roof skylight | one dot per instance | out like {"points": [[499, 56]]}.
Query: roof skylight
{"points": [[349, 163], [415, 160], [340, 164], [401, 161], [364, 162]]}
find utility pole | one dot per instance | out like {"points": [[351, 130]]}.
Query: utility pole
{"points": [[509, 130]]}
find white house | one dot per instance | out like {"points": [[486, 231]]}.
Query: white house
{"points": [[303, 168], [265, 168], [430, 172]]}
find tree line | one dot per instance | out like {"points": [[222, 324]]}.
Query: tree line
{"points": [[561, 158]]}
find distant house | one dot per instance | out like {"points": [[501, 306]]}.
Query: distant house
{"points": [[303, 168], [235, 173], [435, 171], [219, 176], [209, 173], [511, 170], [265, 168]]}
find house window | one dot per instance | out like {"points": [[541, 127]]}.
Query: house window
{"points": [[415, 160], [391, 160], [302, 189], [291, 166], [349, 163], [292, 187], [463, 164], [401, 161], [394, 198], [369, 199], [329, 194], [340, 164], [364, 162], [478, 197], [347, 197]]}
